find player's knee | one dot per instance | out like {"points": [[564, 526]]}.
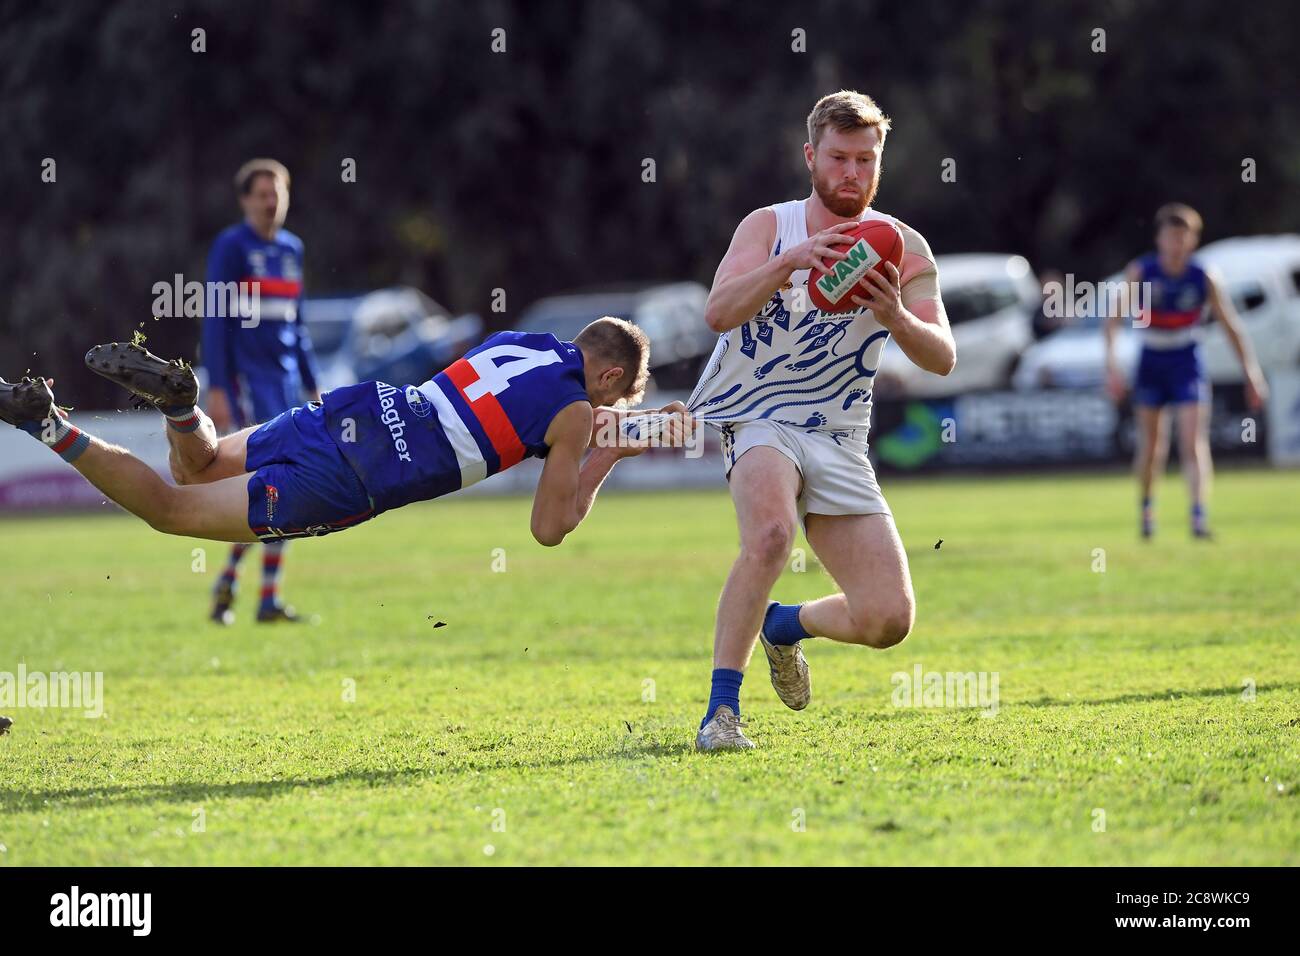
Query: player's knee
{"points": [[893, 629], [770, 541], [883, 627], [179, 474]]}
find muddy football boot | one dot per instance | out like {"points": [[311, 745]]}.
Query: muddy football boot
{"points": [[723, 731], [789, 671], [27, 402], [154, 382]]}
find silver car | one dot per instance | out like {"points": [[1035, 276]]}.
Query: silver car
{"points": [[990, 300]]}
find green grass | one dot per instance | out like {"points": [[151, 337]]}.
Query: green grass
{"points": [[1120, 691]]}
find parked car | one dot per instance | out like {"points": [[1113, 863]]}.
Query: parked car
{"points": [[1262, 277], [672, 315], [397, 335], [990, 300], [1262, 274], [1074, 356]]}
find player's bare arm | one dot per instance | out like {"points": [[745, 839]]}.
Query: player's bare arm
{"points": [[748, 274], [671, 426], [1115, 384], [920, 327], [568, 485], [1223, 310]]}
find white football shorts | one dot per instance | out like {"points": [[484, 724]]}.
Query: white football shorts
{"points": [[837, 477]]}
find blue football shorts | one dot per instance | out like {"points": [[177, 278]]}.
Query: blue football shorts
{"points": [[1170, 377], [301, 484]]}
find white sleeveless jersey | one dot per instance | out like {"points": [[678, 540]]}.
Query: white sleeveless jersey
{"points": [[790, 363]]}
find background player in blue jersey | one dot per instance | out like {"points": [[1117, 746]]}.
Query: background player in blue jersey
{"points": [[261, 365], [372, 447], [1176, 292]]}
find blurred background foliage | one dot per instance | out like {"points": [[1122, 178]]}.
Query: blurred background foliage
{"points": [[522, 170]]}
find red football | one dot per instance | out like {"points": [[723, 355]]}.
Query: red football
{"points": [[876, 241]]}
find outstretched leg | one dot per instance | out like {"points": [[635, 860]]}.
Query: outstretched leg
{"points": [[218, 510], [197, 457]]}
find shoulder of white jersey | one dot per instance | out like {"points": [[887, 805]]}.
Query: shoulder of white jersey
{"points": [[914, 244], [773, 223], [776, 207], [763, 212]]}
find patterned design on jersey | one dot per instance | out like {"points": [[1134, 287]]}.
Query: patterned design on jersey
{"points": [[759, 330], [791, 363], [714, 367], [826, 383], [1182, 308]]}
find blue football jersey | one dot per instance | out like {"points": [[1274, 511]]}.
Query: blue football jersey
{"points": [[273, 354], [1177, 302], [480, 415]]}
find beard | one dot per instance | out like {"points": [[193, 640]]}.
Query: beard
{"points": [[844, 206]]}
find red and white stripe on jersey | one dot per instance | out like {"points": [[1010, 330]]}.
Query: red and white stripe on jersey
{"points": [[473, 466], [1166, 319], [277, 298], [496, 423], [273, 287]]}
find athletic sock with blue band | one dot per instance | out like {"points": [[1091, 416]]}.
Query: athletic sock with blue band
{"points": [[781, 624], [726, 690], [65, 438]]}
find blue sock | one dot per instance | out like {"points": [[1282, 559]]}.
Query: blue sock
{"points": [[1198, 517], [726, 690], [781, 624]]}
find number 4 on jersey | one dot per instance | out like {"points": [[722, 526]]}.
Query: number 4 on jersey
{"points": [[493, 379]]}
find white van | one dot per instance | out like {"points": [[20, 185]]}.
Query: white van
{"points": [[1262, 275]]}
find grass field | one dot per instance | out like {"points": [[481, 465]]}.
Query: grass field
{"points": [[520, 732]]}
